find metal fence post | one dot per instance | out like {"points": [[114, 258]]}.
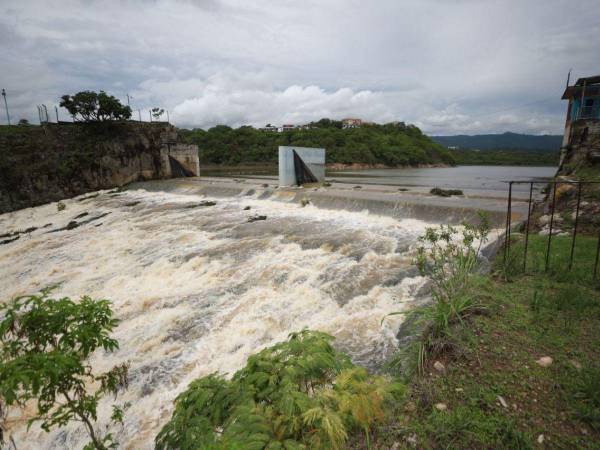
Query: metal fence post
{"points": [[527, 227], [551, 225], [508, 223], [597, 257], [575, 226]]}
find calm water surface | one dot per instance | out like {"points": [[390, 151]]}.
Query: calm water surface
{"points": [[491, 178], [476, 178]]}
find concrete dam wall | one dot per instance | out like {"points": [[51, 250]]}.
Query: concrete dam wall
{"points": [[53, 162], [372, 199]]}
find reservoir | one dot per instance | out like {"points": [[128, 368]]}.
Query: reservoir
{"points": [[482, 180]]}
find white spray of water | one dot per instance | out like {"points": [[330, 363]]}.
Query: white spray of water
{"points": [[200, 289]]}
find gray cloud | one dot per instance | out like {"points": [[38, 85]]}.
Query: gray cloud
{"points": [[447, 66]]}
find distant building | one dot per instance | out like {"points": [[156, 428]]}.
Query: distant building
{"points": [[269, 127], [352, 123], [453, 147], [287, 127], [581, 139]]}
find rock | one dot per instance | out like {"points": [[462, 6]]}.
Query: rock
{"points": [[441, 406], [412, 439], [540, 439], [79, 216], [439, 366], [544, 361], [545, 231], [246, 208], [256, 218], [445, 192], [576, 364], [265, 185], [459, 390], [410, 407], [8, 241], [545, 220], [201, 204], [502, 401]]}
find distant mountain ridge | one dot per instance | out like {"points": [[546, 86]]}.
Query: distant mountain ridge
{"points": [[504, 141]]}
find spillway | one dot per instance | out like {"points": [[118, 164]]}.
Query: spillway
{"points": [[200, 288]]}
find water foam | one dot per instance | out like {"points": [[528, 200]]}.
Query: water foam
{"points": [[200, 289]]}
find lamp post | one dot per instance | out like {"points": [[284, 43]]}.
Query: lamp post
{"points": [[6, 106]]}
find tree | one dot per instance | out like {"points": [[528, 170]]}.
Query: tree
{"points": [[89, 106], [23, 122], [157, 112], [44, 345]]}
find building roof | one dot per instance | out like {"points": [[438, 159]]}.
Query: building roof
{"points": [[592, 87], [588, 80]]}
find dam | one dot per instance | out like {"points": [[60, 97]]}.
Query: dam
{"points": [[199, 287]]}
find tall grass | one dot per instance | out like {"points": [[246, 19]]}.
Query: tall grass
{"points": [[449, 257]]}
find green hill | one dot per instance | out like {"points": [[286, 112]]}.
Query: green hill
{"points": [[391, 145], [504, 141]]}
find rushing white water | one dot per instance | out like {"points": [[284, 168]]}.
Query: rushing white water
{"points": [[200, 289]]}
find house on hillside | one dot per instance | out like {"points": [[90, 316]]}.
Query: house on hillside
{"points": [[581, 140], [351, 123], [287, 127], [269, 127]]}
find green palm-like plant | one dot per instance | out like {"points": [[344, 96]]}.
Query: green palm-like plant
{"points": [[297, 394]]}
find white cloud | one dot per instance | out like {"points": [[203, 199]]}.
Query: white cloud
{"points": [[296, 105], [448, 66]]}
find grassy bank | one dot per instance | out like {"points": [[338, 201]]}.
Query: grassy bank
{"points": [[489, 390]]}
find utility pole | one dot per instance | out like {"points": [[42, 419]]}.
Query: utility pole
{"points": [[168, 120], [140, 115], [6, 106], [45, 112], [150, 114], [56, 111], [128, 100]]}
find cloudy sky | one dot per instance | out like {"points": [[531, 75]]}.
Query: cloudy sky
{"points": [[448, 66]]}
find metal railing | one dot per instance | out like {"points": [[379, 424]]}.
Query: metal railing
{"points": [[554, 184]]}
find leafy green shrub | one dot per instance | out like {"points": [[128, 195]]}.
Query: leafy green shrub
{"points": [[60, 206], [449, 258], [300, 393], [44, 345]]}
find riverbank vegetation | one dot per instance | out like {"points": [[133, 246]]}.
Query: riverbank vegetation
{"points": [[297, 394], [505, 158], [393, 145], [508, 157], [519, 371]]}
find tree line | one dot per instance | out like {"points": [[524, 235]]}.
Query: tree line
{"points": [[394, 144]]}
